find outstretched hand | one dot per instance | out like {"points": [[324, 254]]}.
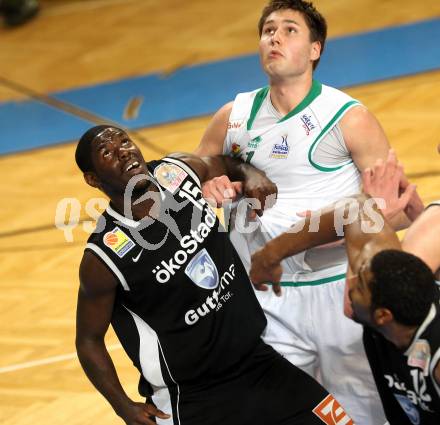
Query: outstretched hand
{"points": [[384, 181], [415, 205], [142, 414], [265, 269]]}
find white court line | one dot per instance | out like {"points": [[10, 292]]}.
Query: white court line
{"points": [[49, 360]]}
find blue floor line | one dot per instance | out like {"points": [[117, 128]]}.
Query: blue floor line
{"points": [[200, 90]]}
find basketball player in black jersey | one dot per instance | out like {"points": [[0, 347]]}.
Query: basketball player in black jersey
{"points": [[392, 293], [163, 272]]}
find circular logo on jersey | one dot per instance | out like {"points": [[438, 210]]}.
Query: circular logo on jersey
{"points": [[202, 270], [235, 149], [409, 408], [169, 176], [110, 239]]}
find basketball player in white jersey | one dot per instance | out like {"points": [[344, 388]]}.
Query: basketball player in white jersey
{"points": [[393, 302], [312, 141]]}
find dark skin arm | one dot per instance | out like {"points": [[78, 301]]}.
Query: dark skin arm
{"points": [[437, 373], [361, 245], [94, 310], [254, 183]]}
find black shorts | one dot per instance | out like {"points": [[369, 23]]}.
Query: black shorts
{"points": [[265, 390]]}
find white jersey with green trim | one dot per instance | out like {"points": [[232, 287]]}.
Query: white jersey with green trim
{"points": [[305, 155]]}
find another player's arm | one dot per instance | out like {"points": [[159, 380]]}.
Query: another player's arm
{"points": [[437, 373], [422, 238], [266, 265], [368, 234], [255, 183], [94, 310], [366, 141], [266, 262]]}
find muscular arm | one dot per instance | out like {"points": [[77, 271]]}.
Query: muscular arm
{"points": [[223, 189], [422, 238], [255, 183], [94, 310], [353, 220], [364, 137], [437, 374], [367, 142], [95, 305], [208, 167], [215, 133]]}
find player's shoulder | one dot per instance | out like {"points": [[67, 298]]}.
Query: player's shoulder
{"points": [[243, 105], [334, 95], [251, 96], [94, 275], [171, 171]]}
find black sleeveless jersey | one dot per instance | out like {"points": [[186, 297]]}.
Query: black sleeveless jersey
{"points": [[405, 379], [185, 311]]}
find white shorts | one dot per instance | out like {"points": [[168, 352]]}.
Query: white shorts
{"points": [[307, 326]]}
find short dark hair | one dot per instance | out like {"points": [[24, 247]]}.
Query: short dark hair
{"points": [[83, 153], [404, 284], [314, 20]]}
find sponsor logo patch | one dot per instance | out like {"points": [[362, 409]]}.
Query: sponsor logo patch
{"points": [[215, 300], [202, 270], [253, 144], [236, 149], [169, 176], [188, 244], [118, 242], [233, 125], [307, 123], [331, 413], [280, 150], [409, 408], [420, 356]]}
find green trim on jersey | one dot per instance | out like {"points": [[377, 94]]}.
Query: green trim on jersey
{"points": [[325, 130], [256, 105], [313, 93], [313, 282]]}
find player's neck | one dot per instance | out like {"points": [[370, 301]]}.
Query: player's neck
{"points": [[148, 207], [286, 94], [400, 335]]}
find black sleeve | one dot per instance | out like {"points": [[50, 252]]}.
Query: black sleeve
{"points": [[393, 412]]}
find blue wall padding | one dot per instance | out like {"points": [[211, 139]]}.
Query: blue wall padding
{"points": [[30, 124], [202, 89]]}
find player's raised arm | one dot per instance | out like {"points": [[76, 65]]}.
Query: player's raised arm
{"points": [[94, 310], [386, 180], [254, 183], [358, 219], [266, 261], [422, 238]]}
